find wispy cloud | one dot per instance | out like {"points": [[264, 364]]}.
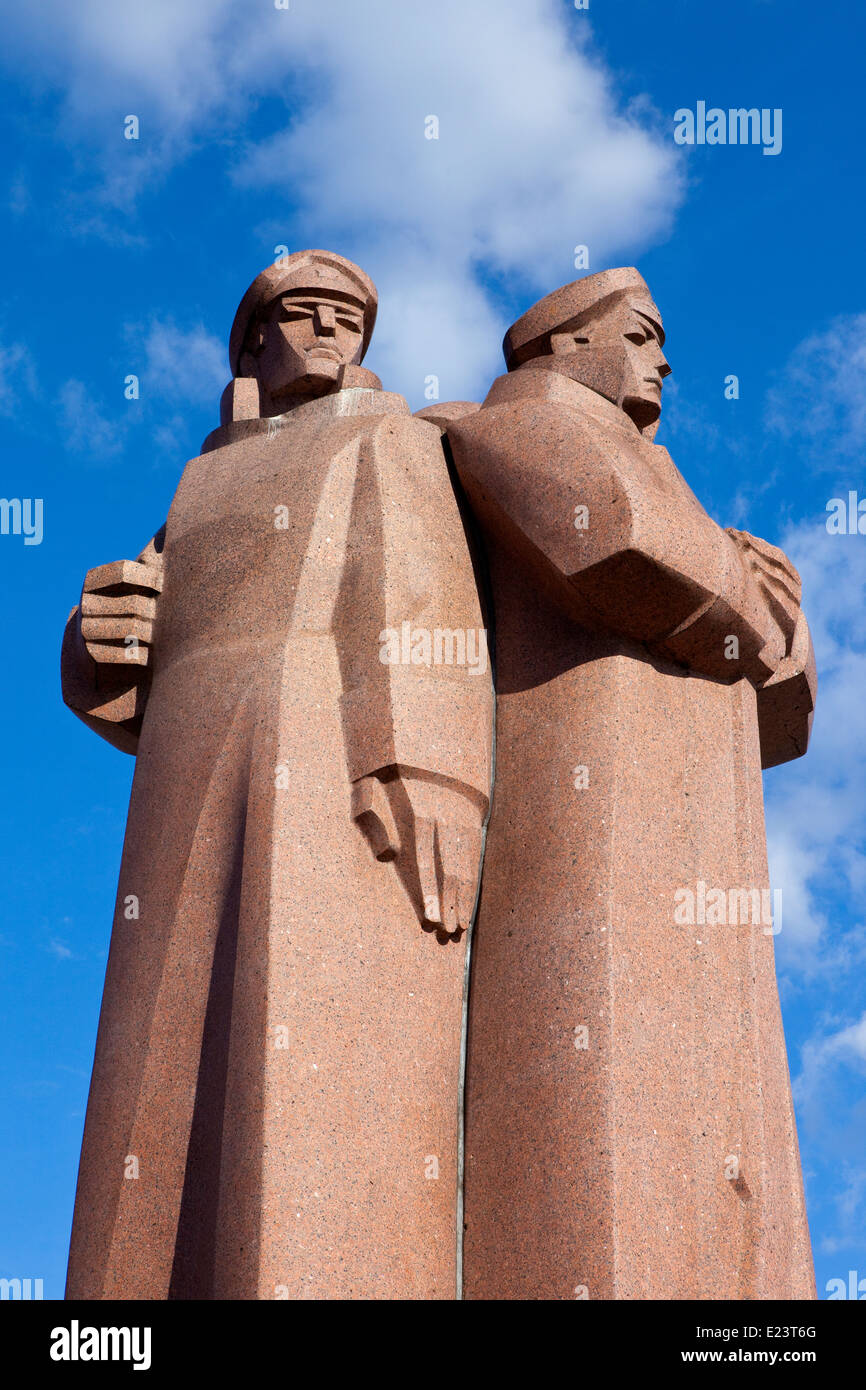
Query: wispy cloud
{"points": [[175, 366], [86, 430], [821, 1056], [59, 949], [820, 394], [17, 377], [537, 152], [816, 820], [816, 815], [182, 365]]}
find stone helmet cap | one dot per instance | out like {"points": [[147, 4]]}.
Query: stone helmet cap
{"points": [[569, 307], [309, 271]]}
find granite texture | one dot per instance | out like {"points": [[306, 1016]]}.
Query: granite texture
{"points": [[298, 660], [629, 1130], [274, 1104]]}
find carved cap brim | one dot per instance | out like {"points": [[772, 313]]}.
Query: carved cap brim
{"points": [[309, 271], [565, 308]]}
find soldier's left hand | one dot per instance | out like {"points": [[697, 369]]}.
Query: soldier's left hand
{"points": [[432, 830]]}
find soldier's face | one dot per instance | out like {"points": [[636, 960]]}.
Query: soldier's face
{"points": [[303, 341], [620, 356]]}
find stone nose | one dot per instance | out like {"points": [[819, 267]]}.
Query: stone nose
{"points": [[324, 321]]}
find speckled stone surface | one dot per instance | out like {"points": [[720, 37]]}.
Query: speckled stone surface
{"points": [[275, 1095], [630, 1132], [604, 1167], [274, 1110]]}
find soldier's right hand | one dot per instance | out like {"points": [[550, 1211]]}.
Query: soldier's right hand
{"points": [[433, 830], [775, 590], [118, 612]]}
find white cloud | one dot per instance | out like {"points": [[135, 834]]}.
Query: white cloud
{"points": [[829, 1097], [176, 368], [161, 56], [17, 377], [188, 365], [815, 808], [815, 811], [821, 393], [846, 1045], [435, 320], [84, 428], [816, 814], [537, 152], [59, 949]]}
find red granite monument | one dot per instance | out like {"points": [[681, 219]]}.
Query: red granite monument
{"points": [[630, 1132], [299, 663]]}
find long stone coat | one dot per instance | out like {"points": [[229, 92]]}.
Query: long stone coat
{"points": [[274, 1104], [630, 1131]]}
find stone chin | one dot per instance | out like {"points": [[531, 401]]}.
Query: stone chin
{"points": [[305, 375], [645, 412], [607, 377], [324, 369]]}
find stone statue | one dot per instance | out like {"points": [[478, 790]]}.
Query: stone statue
{"points": [[298, 661], [629, 1130]]}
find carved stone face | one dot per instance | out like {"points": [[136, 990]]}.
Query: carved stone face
{"points": [[301, 342], [619, 355]]}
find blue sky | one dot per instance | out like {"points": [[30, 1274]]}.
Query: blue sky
{"points": [[305, 127]]}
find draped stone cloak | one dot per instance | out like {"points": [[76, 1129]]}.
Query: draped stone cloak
{"points": [[274, 1105], [630, 1131]]}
